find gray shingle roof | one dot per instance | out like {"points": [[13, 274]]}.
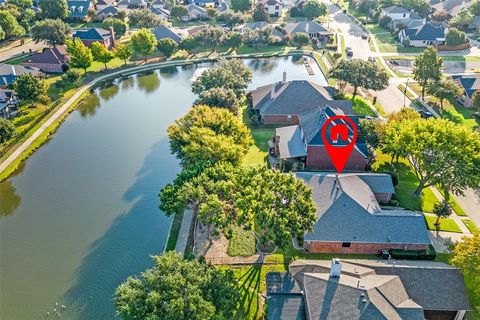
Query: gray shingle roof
{"points": [[9, 72], [164, 32], [109, 10], [291, 144], [295, 97], [92, 34], [395, 9], [426, 32], [306, 27], [347, 211]]}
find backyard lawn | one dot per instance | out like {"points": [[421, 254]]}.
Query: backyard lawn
{"points": [[446, 224], [407, 183]]}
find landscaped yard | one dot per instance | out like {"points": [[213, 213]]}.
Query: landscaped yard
{"points": [[470, 226], [361, 107], [242, 243], [446, 224], [407, 183]]}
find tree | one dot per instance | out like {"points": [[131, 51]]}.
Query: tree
{"points": [[2, 33], [54, 9], [234, 39], [231, 19], [179, 11], [440, 151], [455, 37], [466, 255], [144, 18], [123, 52], [9, 25], [301, 38], [276, 206], [427, 67], [404, 114], [167, 46], [209, 134], [23, 4], [442, 210], [314, 8], [175, 288], [475, 8], [7, 130], [80, 54], [30, 87], [476, 99], [144, 43], [373, 131], [444, 89], [211, 13], [360, 73], [188, 44], [101, 54], [71, 76], [53, 32], [241, 5], [260, 13], [221, 98], [119, 27], [231, 74], [462, 19]]}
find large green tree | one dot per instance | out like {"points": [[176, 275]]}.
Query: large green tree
{"points": [[7, 130], [466, 255], [175, 288], [119, 27], [260, 13], [179, 11], [53, 32], [241, 5], [209, 134], [167, 46], [9, 25], [301, 39], [427, 68], [276, 206], [231, 19], [455, 37], [442, 210], [221, 98], [476, 99], [54, 9], [444, 90], [314, 8], [101, 54], [231, 74], [30, 87], [80, 55], [144, 43], [440, 151], [462, 19], [123, 51], [143, 18], [360, 73]]}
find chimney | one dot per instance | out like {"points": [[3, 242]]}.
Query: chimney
{"points": [[272, 91], [112, 33], [336, 268], [307, 27], [277, 144], [284, 76]]}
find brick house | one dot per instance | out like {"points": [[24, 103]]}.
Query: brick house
{"points": [[351, 220], [51, 60], [367, 289], [282, 102], [79, 9], [302, 145], [89, 36]]}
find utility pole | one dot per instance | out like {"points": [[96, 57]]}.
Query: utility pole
{"points": [[405, 93]]}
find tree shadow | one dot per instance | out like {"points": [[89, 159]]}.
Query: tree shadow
{"points": [[125, 248], [149, 81]]}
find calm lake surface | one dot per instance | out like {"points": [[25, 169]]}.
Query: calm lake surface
{"points": [[82, 214]]}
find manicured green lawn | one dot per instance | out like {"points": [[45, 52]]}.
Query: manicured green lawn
{"points": [[446, 224], [407, 184], [361, 107], [455, 206], [174, 231], [470, 225], [252, 283], [242, 243]]}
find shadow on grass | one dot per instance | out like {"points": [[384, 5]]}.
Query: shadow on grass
{"points": [[249, 285]]}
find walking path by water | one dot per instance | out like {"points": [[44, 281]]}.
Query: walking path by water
{"points": [[184, 231]]}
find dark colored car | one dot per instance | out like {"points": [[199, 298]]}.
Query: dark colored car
{"points": [[425, 114], [364, 36], [349, 52]]}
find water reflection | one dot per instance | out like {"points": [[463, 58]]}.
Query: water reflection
{"points": [[109, 92], [168, 72], [128, 83], [88, 107], [148, 81], [10, 199], [264, 65]]}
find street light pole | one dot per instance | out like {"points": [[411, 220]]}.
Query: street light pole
{"points": [[405, 93]]}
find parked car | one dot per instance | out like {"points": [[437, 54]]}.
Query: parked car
{"points": [[371, 59], [364, 36], [349, 52], [425, 114]]}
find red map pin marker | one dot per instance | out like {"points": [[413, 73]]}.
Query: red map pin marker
{"points": [[339, 143]]}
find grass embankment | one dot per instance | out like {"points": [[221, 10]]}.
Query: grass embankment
{"points": [[470, 226], [361, 106], [174, 231], [446, 224], [407, 184]]}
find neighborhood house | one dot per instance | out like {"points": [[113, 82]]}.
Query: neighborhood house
{"points": [[423, 36], [470, 85], [89, 36], [9, 73], [367, 289], [49, 60]]}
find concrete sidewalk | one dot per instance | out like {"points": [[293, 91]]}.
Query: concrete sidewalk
{"points": [[184, 231]]}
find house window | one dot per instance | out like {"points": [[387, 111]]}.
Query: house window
{"points": [[346, 244], [289, 117], [404, 15], [277, 7]]}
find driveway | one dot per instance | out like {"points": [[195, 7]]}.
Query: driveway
{"points": [[18, 50], [470, 202]]}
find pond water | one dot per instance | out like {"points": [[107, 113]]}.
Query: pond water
{"points": [[82, 213]]}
